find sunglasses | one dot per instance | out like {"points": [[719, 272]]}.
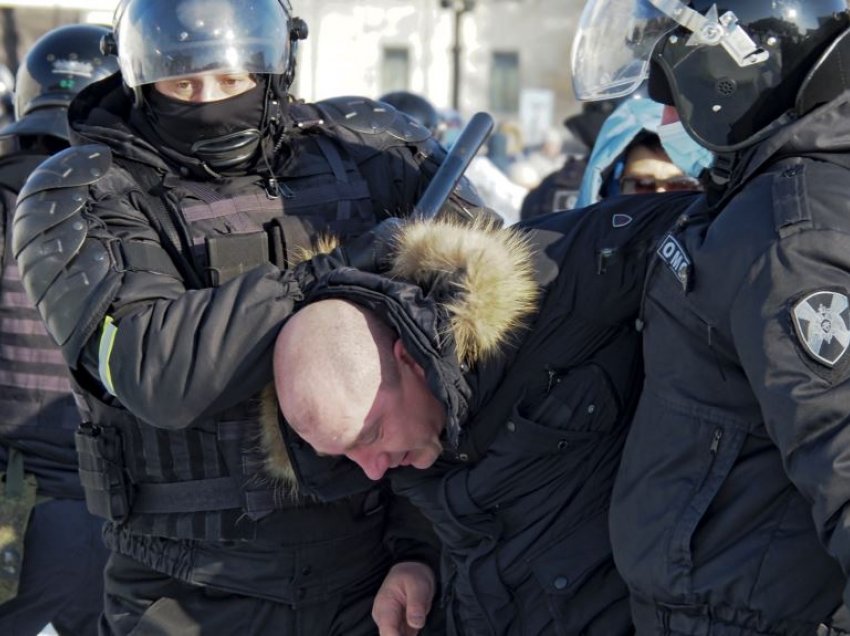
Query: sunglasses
{"points": [[648, 185]]}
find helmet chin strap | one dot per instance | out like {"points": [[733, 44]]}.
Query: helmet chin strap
{"points": [[711, 30]]}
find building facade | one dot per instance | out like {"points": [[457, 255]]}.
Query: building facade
{"points": [[512, 56]]}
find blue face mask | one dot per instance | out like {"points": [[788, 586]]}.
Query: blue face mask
{"points": [[687, 154]]}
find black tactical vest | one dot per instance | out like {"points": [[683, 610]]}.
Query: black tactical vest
{"points": [[39, 415], [206, 482]]}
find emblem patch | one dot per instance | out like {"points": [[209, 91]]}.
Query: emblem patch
{"points": [[677, 260], [822, 322]]}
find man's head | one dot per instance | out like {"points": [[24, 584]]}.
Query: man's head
{"points": [[347, 385], [732, 68]]}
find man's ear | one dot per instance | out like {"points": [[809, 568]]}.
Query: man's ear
{"points": [[405, 360]]}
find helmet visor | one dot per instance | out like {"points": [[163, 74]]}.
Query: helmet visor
{"points": [[612, 47], [163, 39]]}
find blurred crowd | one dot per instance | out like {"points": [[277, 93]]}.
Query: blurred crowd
{"points": [[610, 147]]}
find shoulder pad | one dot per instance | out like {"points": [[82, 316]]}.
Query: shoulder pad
{"points": [[68, 275], [369, 117], [74, 166]]}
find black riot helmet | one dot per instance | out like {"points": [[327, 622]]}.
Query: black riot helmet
{"points": [[158, 40], [416, 106], [164, 39], [734, 69], [59, 65]]}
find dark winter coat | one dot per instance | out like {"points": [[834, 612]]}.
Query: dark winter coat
{"points": [[536, 418], [730, 513]]}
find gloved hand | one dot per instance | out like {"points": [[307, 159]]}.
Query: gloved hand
{"points": [[373, 251], [370, 252]]}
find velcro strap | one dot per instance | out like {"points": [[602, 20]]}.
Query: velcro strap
{"points": [[201, 495], [326, 193], [332, 155], [147, 257]]}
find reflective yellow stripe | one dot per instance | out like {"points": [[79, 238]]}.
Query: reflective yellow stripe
{"points": [[107, 340]]}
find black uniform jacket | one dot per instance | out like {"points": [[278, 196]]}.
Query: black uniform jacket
{"points": [[166, 289], [730, 512], [535, 426]]}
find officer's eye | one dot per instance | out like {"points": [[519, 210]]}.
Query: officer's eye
{"points": [[236, 84], [182, 87]]}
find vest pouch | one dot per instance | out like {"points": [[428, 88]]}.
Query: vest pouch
{"points": [[233, 254], [17, 500], [102, 472]]}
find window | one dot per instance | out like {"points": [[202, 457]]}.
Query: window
{"points": [[504, 82], [395, 69]]}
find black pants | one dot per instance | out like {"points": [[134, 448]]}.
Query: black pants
{"points": [[144, 602], [62, 576]]}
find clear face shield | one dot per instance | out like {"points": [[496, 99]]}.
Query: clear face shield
{"points": [[615, 39], [163, 39]]}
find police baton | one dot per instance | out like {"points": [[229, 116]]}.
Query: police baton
{"points": [[443, 183]]}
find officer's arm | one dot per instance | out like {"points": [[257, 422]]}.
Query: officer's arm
{"points": [[804, 401], [116, 303]]}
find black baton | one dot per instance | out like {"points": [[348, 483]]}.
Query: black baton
{"points": [[470, 140]]}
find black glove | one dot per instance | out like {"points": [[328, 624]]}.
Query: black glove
{"points": [[369, 252], [373, 251]]}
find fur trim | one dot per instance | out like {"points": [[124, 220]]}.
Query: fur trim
{"points": [[324, 244], [489, 270], [488, 267], [278, 466]]}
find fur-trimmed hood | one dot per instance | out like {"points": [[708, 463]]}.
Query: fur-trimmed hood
{"points": [[477, 291]]}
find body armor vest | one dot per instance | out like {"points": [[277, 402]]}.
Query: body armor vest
{"points": [[206, 482], [39, 413]]}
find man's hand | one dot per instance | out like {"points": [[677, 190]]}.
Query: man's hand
{"points": [[404, 600]]}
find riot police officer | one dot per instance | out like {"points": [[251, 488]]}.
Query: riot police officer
{"points": [[193, 183], [50, 547], [730, 510]]}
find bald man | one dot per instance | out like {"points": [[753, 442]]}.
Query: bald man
{"points": [[360, 394], [490, 376]]}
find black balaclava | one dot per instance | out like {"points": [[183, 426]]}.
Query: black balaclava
{"points": [[224, 135]]}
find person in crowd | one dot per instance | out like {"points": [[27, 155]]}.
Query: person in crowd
{"points": [[51, 553], [731, 509], [630, 155], [490, 376], [193, 182]]}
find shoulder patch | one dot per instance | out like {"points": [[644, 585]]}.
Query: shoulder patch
{"points": [[822, 323], [677, 260]]}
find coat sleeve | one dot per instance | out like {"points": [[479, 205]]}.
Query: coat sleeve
{"points": [[805, 402], [173, 355]]}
